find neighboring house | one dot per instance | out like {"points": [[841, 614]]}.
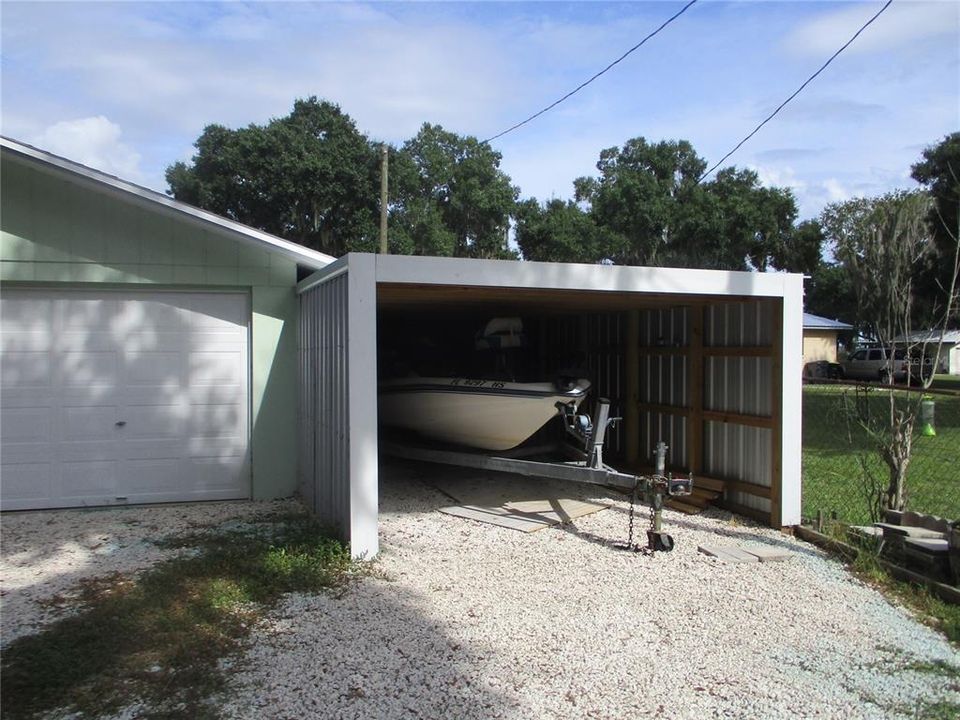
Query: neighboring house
{"points": [[149, 348], [949, 353], [820, 338]]}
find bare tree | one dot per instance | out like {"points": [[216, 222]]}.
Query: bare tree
{"points": [[883, 243]]}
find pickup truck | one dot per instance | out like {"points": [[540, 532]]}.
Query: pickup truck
{"points": [[872, 364]]}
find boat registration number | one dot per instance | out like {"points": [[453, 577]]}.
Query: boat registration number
{"points": [[466, 382]]}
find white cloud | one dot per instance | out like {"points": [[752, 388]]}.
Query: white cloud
{"points": [[779, 177], [94, 142], [903, 24], [836, 192]]}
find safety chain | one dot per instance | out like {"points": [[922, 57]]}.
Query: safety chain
{"points": [[633, 503], [653, 523]]}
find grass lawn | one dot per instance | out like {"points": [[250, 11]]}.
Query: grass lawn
{"points": [[946, 382], [832, 473]]}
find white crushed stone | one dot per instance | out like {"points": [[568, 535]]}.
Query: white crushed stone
{"points": [[44, 555], [466, 620], [475, 621]]}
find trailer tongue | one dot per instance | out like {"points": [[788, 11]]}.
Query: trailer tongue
{"points": [[588, 467]]}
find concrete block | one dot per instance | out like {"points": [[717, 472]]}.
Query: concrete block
{"points": [[728, 553], [767, 554]]}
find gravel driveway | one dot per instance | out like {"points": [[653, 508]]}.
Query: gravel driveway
{"points": [[45, 554], [466, 620], [475, 621]]}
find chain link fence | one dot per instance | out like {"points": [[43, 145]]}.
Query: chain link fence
{"points": [[843, 470]]}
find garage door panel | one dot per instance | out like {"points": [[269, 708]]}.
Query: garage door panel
{"points": [[227, 449], [89, 423], [23, 314], [27, 484], [25, 424], [166, 450], [86, 367], [217, 474], [153, 477], [25, 369], [81, 451], [26, 453], [87, 314], [226, 420], [155, 422], [158, 314], [157, 368], [217, 368], [171, 368], [93, 395], [82, 481]]}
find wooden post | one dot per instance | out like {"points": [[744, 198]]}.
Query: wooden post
{"points": [[776, 412], [695, 390], [384, 162], [631, 415]]}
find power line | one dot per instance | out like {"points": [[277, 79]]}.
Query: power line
{"points": [[799, 89], [582, 85]]}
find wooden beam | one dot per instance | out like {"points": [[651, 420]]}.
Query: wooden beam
{"points": [[663, 350], [752, 351], [749, 488], [665, 409], [631, 420], [759, 421], [695, 383], [455, 298], [776, 410]]}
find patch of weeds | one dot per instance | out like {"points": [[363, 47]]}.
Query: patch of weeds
{"points": [[934, 667], [928, 608], [158, 640], [937, 710], [901, 661]]}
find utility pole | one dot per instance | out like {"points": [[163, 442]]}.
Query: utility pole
{"points": [[383, 198]]}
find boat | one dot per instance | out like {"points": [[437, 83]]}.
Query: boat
{"points": [[482, 414]]}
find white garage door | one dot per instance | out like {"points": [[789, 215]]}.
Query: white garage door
{"points": [[111, 397]]}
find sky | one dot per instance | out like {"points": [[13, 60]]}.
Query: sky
{"points": [[128, 87]]}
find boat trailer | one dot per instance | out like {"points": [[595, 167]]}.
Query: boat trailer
{"points": [[587, 467]]}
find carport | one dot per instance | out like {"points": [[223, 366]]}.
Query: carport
{"points": [[707, 361]]}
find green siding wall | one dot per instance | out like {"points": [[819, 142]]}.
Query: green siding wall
{"points": [[56, 231]]}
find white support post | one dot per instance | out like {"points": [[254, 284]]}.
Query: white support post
{"points": [[792, 401], [362, 419]]}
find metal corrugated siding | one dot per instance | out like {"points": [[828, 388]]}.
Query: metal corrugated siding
{"points": [[739, 385], [324, 415], [664, 381], [604, 349], [744, 324]]}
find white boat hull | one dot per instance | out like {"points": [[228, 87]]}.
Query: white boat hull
{"points": [[484, 414]]}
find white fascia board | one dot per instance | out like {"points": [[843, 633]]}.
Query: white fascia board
{"points": [[153, 200], [570, 276]]}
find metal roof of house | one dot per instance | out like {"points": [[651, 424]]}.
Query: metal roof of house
{"points": [[926, 336], [815, 322], [130, 192]]}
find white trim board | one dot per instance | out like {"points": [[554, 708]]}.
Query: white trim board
{"points": [[570, 276]]}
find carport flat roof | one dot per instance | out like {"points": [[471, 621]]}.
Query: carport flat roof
{"points": [[403, 278]]}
